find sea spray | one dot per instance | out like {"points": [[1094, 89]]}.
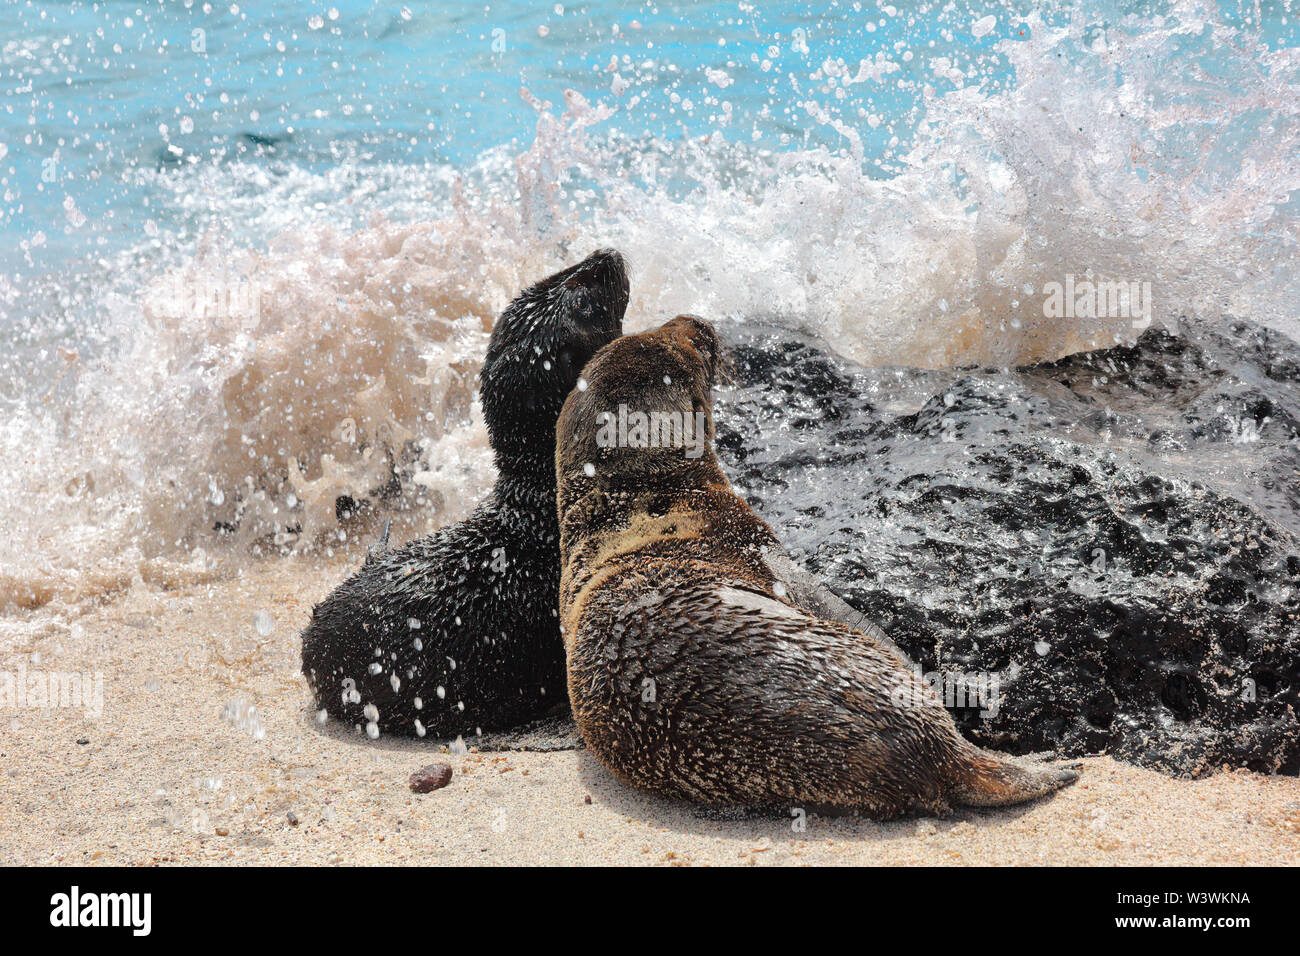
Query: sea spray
{"points": [[253, 386]]}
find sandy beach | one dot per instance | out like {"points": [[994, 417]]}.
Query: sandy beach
{"points": [[208, 751]]}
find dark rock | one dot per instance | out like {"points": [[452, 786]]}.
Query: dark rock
{"points": [[1115, 535]]}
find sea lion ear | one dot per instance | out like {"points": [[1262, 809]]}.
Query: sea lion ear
{"points": [[705, 340]]}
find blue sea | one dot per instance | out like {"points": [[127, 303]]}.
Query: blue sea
{"points": [[248, 246]]}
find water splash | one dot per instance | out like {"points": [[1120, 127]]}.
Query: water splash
{"points": [[255, 387]]}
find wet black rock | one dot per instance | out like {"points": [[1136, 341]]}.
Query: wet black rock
{"points": [[1115, 536]]}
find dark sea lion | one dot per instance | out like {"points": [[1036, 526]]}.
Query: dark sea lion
{"points": [[693, 671], [457, 632]]}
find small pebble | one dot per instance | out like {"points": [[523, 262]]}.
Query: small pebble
{"points": [[222, 831], [433, 777], [587, 799], [83, 740], [292, 818]]}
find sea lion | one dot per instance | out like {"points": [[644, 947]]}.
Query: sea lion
{"points": [[692, 671], [457, 632]]}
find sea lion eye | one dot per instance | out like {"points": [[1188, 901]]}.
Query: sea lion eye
{"points": [[579, 305]]}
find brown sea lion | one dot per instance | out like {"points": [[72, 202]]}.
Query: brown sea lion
{"points": [[695, 670]]}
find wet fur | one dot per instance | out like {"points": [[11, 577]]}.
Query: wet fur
{"points": [[693, 671], [471, 609]]}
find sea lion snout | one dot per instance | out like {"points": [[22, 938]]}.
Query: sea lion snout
{"points": [[597, 291]]}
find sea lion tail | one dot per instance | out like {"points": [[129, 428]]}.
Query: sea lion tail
{"points": [[988, 780]]}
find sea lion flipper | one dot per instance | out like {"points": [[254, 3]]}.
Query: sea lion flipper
{"points": [[806, 591], [993, 781]]}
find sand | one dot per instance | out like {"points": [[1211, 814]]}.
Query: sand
{"points": [[177, 769]]}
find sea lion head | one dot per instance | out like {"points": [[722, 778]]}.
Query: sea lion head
{"points": [[538, 346], [643, 407]]}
